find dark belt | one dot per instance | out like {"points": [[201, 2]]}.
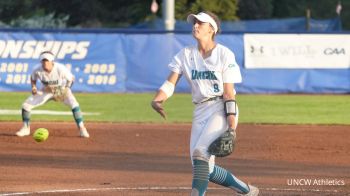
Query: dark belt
{"points": [[211, 99]]}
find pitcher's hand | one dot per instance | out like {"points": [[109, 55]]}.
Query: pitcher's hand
{"points": [[34, 90], [157, 106]]}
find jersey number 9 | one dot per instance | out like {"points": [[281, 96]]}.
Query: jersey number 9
{"points": [[216, 88]]}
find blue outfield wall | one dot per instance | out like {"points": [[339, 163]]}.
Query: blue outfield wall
{"points": [[137, 62]]}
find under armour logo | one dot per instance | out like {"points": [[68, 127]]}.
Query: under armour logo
{"points": [[257, 49]]}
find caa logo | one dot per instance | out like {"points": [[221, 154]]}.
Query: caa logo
{"points": [[334, 51]]}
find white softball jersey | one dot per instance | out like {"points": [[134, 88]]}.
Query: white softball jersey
{"points": [[206, 76], [57, 77]]}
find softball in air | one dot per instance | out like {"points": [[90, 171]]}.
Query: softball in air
{"points": [[41, 134]]}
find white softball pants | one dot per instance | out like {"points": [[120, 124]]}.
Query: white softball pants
{"points": [[41, 98], [209, 122]]}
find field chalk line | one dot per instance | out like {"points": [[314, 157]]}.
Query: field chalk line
{"points": [[156, 188], [46, 112]]}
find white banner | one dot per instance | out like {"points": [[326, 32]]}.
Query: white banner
{"points": [[297, 51]]}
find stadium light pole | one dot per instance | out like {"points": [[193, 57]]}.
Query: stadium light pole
{"points": [[169, 14], [308, 17], [338, 11]]}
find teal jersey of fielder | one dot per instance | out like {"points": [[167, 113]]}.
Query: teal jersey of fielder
{"points": [[206, 76]]}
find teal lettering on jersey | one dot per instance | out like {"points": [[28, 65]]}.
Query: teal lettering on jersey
{"points": [[53, 82], [203, 75]]}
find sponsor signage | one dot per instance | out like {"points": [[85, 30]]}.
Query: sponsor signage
{"points": [[297, 51]]}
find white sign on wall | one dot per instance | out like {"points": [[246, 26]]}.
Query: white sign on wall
{"points": [[297, 51]]}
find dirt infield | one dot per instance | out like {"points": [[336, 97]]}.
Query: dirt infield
{"points": [[153, 159]]}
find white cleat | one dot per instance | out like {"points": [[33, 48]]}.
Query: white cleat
{"points": [[84, 133], [24, 131], [253, 191]]}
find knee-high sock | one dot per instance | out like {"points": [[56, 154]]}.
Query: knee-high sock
{"points": [[25, 117], [200, 177], [78, 117], [223, 177]]}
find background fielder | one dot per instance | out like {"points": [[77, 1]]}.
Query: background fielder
{"points": [[57, 81], [211, 71]]}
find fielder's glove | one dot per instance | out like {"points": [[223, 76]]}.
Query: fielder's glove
{"points": [[59, 93], [224, 145]]}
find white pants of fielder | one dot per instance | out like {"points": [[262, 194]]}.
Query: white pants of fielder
{"points": [[42, 97], [209, 122]]}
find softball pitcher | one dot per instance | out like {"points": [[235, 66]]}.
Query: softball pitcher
{"points": [[57, 81], [211, 70]]}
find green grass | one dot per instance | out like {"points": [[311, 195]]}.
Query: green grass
{"points": [[277, 109], [295, 109]]}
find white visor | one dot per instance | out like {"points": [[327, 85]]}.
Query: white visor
{"points": [[47, 56], [203, 17]]}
